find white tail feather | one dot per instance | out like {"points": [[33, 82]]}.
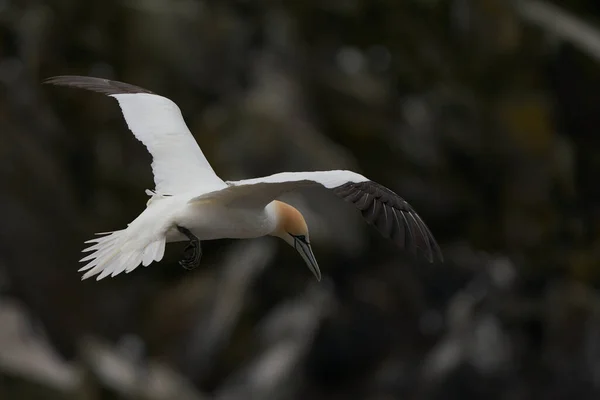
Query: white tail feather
{"points": [[115, 253]]}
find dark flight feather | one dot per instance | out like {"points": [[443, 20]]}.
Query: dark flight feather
{"points": [[393, 217], [100, 85]]}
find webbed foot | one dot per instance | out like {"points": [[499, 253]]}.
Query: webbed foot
{"points": [[192, 252]]}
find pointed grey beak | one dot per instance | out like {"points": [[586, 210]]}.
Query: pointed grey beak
{"points": [[309, 258]]}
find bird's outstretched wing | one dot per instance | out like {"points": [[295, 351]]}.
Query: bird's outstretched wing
{"points": [[393, 217], [178, 163]]}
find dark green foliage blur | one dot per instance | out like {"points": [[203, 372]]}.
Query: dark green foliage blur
{"points": [[486, 121]]}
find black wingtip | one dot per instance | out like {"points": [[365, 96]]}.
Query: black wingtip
{"points": [[100, 85], [392, 216], [435, 255], [432, 249]]}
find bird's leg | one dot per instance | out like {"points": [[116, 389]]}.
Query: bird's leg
{"points": [[193, 251]]}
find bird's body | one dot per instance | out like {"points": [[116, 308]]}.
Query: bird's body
{"points": [[210, 220], [190, 202]]}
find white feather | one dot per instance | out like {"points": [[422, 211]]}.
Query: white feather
{"points": [[329, 179], [261, 191], [149, 253], [143, 242], [178, 164]]}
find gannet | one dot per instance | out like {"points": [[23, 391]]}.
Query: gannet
{"points": [[191, 203]]}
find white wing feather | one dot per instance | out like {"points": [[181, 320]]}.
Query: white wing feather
{"points": [[260, 191], [329, 179], [178, 163], [179, 166]]}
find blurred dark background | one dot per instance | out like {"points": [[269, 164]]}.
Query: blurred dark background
{"points": [[483, 114]]}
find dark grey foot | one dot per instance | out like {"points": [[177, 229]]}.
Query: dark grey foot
{"points": [[193, 251]]}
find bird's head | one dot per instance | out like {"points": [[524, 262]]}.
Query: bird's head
{"points": [[292, 228]]}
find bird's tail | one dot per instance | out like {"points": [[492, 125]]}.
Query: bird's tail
{"points": [[118, 251]]}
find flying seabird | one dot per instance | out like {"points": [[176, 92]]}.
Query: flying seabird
{"points": [[190, 202]]}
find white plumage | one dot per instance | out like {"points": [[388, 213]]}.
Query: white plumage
{"points": [[257, 192], [178, 164], [191, 202]]}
